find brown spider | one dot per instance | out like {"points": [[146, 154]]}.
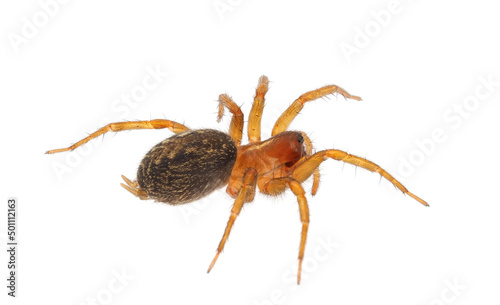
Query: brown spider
{"points": [[194, 163]]}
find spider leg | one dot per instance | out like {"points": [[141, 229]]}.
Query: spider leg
{"points": [[291, 112], [308, 144], [153, 124], [134, 188], [257, 109], [246, 192], [236, 126], [278, 185], [306, 167]]}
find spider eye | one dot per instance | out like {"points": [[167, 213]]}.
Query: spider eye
{"points": [[300, 138]]}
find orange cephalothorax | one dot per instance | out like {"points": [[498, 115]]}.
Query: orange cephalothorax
{"points": [[272, 158]]}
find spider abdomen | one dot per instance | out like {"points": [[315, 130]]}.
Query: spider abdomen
{"points": [[187, 166]]}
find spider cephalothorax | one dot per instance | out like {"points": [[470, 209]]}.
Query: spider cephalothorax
{"points": [[194, 163]]}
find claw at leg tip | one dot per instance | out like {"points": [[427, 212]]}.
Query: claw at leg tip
{"points": [[299, 272], [213, 262], [418, 199]]}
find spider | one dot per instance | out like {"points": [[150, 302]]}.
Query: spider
{"points": [[193, 163]]}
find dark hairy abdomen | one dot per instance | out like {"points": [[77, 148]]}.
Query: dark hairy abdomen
{"points": [[187, 166]]}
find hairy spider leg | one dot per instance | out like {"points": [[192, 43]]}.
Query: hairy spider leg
{"points": [[291, 112], [153, 124], [278, 185], [307, 165], [236, 126], [308, 144], [246, 192], [134, 188], [257, 109]]}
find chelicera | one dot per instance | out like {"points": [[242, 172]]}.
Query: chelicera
{"points": [[194, 163]]}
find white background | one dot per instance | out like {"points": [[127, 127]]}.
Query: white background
{"points": [[416, 65]]}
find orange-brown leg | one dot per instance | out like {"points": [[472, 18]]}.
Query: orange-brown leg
{"points": [[307, 166], [276, 186], [257, 109], [246, 193], [153, 124], [236, 126], [287, 117], [308, 144]]}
